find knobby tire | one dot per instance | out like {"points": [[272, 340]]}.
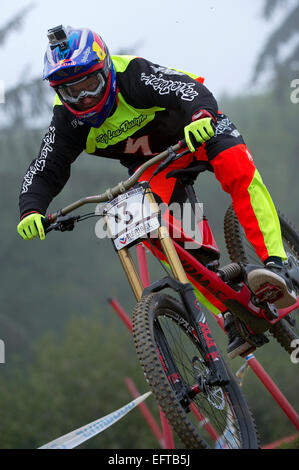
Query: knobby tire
{"points": [[224, 407]]}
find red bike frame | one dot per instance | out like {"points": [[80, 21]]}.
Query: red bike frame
{"points": [[210, 284]]}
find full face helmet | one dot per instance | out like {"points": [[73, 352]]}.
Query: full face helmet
{"points": [[79, 67]]}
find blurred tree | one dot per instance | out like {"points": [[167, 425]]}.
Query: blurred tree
{"points": [[27, 98], [14, 23], [27, 102], [280, 54]]}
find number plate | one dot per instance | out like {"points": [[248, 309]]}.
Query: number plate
{"points": [[129, 217]]}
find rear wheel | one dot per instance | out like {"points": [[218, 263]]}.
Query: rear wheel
{"points": [[203, 416], [240, 250]]}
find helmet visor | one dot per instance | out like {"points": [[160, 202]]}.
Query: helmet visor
{"points": [[93, 85]]}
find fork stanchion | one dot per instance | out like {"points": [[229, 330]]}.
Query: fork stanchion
{"points": [[146, 413], [273, 390]]}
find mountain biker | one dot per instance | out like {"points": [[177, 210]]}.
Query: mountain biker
{"points": [[128, 108]]}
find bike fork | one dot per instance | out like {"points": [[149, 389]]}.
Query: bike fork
{"points": [[218, 374], [183, 392]]}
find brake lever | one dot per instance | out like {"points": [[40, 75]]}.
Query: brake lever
{"points": [[166, 162], [63, 223], [172, 157]]}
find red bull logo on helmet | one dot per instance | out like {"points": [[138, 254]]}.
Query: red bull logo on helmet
{"points": [[98, 50]]}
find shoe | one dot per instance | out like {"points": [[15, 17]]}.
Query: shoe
{"points": [[272, 284], [237, 346]]}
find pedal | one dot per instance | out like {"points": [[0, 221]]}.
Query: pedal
{"points": [[269, 293]]}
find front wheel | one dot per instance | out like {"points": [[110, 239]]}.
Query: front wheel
{"points": [[203, 416]]}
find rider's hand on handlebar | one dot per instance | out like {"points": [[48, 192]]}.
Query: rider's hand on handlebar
{"points": [[31, 226], [199, 132]]}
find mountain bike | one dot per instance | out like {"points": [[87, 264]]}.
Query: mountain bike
{"points": [[181, 361]]}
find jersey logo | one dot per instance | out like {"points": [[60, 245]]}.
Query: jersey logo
{"points": [[223, 125], [124, 127], [40, 163], [134, 145], [165, 87]]}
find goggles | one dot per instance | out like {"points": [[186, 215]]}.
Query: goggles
{"points": [[91, 85]]}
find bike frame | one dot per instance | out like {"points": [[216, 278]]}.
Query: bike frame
{"points": [[219, 293], [184, 266]]}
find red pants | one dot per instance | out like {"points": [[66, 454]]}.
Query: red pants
{"points": [[234, 169]]}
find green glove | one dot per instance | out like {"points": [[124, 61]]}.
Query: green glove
{"points": [[201, 131], [31, 226]]}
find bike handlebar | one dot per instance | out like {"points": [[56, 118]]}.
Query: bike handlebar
{"points": [[120, 188]]}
